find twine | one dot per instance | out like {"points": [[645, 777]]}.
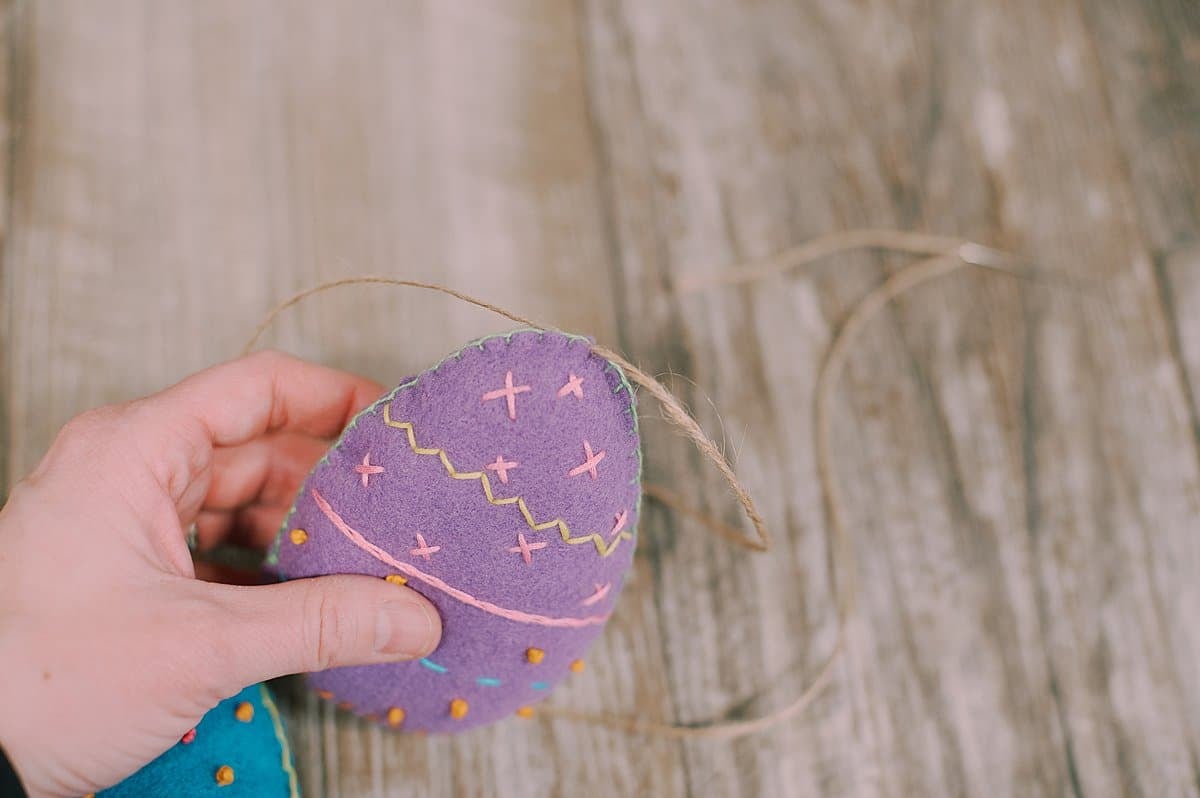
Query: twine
{"points": [[947, 256]]}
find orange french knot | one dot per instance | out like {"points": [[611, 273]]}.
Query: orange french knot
{"points": [[395, 716], [534, 655], [244, 712], [458, 708], [299, 536], [224, 775], [577, 666], [324, 694], [397, 579], [525, 712]]}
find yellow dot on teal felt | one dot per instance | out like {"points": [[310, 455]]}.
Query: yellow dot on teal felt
{"points": [[224, 775]]}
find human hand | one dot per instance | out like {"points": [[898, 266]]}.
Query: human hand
{"points": [[110, 647]]}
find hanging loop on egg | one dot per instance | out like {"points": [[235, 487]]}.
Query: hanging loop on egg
{"points": [[674, 410]]}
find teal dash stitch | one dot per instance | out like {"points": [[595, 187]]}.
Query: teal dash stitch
{"points": [[540, 686], [487, 681], [433, 666]]}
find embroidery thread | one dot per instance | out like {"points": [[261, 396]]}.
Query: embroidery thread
{"points": [[356, 537], [285, 751], [592, 459], [423, 549], [598, 596], [603, 547], [619, 522], [526, 549], [367, 470], [508, 393], [574, 386], [502, 467]]}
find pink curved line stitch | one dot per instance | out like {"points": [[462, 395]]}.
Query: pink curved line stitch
{"points": [[357, 539]]}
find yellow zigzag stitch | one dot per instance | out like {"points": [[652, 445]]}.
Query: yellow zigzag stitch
{"points": [[602, 547]]}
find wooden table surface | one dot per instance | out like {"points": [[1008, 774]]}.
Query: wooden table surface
{"points": [[1021, 457]]}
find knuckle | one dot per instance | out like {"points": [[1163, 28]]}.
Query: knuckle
{"points": [[327, 629], [88, 435], [89, 425], [179, 454], [273, 363]]}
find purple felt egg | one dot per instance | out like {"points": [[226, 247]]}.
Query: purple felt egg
{"points": [[504, 484]]}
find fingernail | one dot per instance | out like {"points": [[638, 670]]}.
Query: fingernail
{"points": [[404, 628]]}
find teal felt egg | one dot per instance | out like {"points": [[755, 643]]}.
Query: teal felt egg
{"points": [[238, 749]]}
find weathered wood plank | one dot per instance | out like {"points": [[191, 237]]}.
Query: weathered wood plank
{"points": [[1020, 456], [13, 41], [983, 663], [1149, 55]]}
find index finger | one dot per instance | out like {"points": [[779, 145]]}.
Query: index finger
{"points": [[238, 401]]}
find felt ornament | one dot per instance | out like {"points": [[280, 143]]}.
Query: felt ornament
{"points": [[238, 748], [504, 484]]}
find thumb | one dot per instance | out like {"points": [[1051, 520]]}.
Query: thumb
{"points": [[314, 624]]}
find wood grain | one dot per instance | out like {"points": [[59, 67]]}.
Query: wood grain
{"points": [[1022, 457]]}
